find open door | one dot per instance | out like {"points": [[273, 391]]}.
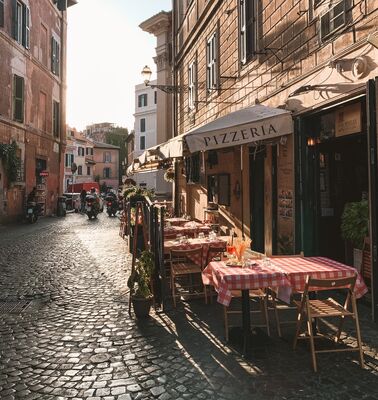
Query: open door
{"points": [[256, 160], [371, 103]]}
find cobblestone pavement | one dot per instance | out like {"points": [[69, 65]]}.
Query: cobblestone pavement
{"points": [[77, 341]]}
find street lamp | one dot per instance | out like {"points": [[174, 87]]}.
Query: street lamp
{"points": [[146, 76]]}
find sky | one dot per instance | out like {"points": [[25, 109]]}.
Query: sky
{"points": [[106, 51]]}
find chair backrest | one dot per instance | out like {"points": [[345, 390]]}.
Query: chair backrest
{"points": [[366, 260], [215, 251], [193, 255], [329, 284]]}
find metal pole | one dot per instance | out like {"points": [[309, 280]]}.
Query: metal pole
{"points": [[241, 191]]}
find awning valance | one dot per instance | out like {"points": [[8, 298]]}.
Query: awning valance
{"points": [[248, 125]]}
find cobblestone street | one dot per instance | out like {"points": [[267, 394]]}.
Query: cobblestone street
{"points": [[75, 339]]}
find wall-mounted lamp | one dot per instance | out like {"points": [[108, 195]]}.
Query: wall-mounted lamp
{"points": [[146, 76], [311, 142], [237, 190]]}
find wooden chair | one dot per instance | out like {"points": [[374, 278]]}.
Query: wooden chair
{"points": [[309, 309], [366, 263], [183, 266], [214, 253]]}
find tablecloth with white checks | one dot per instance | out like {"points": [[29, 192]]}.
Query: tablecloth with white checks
{"points": [[283, 272], [194, 243]]}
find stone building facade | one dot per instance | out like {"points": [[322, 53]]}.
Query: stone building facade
{"points": [[312, 58], [33, 99], [106, 159]]}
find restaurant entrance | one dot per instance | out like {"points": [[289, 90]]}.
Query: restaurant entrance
{"points": [[335, 172]]}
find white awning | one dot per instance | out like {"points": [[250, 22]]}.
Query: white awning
{"points": [[248, 125]]}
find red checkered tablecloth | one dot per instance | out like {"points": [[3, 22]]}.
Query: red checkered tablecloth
{"points": [[187, 230], [225, 279], [194, 243], [283, 272], [298, 268]]}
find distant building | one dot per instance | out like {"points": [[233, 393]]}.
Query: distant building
{"points": [[32, 102], [97, 132], [106, 158], [79, 150], [145, 129]]}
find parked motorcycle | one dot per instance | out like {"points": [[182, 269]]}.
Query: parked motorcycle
{"points": [[111, 205], [32, 212], [91, 206]]}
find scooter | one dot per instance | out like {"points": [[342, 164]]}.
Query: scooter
{"points": [[111, 205], [32, 212], [91, 208]]}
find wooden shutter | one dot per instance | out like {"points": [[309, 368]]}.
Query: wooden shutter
{"points": [[18, 95], [1, 12], [14, 19], [26, 27]]}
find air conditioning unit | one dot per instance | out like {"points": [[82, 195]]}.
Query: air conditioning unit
{"points": [[334, 19]]}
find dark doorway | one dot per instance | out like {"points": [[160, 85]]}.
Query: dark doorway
{"points": [[342, 178], [256, 164], [40, 166]]}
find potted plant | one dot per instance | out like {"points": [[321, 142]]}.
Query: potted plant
{"points": [[139, 284], [355, 227]]}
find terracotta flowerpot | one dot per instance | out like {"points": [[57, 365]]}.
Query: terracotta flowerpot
{"points": [[141, 306]]}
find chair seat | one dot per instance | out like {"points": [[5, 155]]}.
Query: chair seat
{"points": [[185, 268], [252, 293], [325, 308]]}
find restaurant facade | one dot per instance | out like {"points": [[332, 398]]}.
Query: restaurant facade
{"points": [[275, 118]]}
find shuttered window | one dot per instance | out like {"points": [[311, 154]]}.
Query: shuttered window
{"points": [[55, 57], [56, 118], [21, 23], [247, 29], [142, 100], [18, 98], [1, 13], [142, 143], [212, 63], [143, 125]]}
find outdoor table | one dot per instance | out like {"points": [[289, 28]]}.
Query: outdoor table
{"points": [[177, 221], [282, 272], [193, 243], [187, 230]]}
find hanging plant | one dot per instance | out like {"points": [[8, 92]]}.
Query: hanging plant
{"points": [[11, 161], [169, 175]]}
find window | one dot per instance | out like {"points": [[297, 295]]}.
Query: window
{"points": [[18, 98], [334, 19], [43, 45], [107, 156], [42, 111], [89, 151], [80, 170], [69, 159], [192, 85], [218, 189], [247, 29], [142, 100], [88, 170], [1, 12], [86, 151], [143, 124], [142, 143], [211, 61], [56, 118], [107, 173], [21, 24], [155, 96], [80, 151], [55, 57]]}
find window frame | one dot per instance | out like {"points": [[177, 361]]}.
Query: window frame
{"points": [[212, 75], [21, 23], [2, 10], [107, 173], [107, 157], [247, 30], [18, 79], [80, 170], [142, 124], [55, 56], [331, 19], [56, 119], [142, 139], [88, 170], [142, 100], [192, 85]]}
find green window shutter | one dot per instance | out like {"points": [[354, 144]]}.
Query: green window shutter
{"points": [[53, 55], [18, 98], [1, 13], [14, 19], [57, 58]]}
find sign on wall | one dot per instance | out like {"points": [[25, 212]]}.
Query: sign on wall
{"points": [[348, 120]]}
